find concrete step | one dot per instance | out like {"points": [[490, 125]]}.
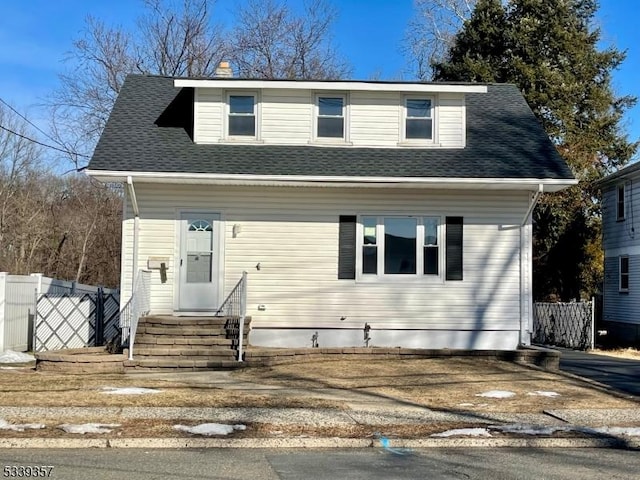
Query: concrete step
{"points": [[184, 321], [187, 364], [182, 352], [184, 342], [182, 331]]}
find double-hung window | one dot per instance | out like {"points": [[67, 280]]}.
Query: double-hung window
{"points": [[400, 246], [418, 119], [330, 121], [242, 116], [623, 278], [620, 203]]}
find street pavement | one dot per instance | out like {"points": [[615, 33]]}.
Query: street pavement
{"points": [[619, 373], [335, 464]]}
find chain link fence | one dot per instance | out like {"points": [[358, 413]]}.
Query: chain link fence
{"points": [[568, 325]]}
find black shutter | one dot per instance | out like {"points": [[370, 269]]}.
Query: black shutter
{"points": [[347, 247], [454, 248]]}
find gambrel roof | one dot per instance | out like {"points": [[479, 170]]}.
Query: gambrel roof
{"points": [[150, 130]]}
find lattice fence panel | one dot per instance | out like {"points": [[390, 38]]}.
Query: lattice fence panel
{"points": [[66, 321], [563, 324], [111, 317]]}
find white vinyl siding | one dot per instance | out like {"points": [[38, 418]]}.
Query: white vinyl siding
{"points": [[287, 116], [373, 119], [209, 111], [451, 120], [293, 234]]}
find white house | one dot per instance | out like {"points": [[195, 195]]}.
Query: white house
{"points": [[620, 208], [401, 205]]}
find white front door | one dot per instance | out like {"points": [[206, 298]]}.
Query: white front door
{"points": [[199, 263]]}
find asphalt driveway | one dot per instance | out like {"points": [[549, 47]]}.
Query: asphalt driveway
{"points": [[620, 373]]}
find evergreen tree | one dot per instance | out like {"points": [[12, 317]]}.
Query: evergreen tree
{"points": [[549, 49]]}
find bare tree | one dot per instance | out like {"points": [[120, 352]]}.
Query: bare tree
{"points": [[171, 39], [432, 30], [272, 41]]}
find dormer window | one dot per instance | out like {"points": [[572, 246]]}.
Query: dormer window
{"points": [[242, 116], [331, 117], [418, 119]]}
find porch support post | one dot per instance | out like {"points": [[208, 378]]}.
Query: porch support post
{"points": [[526, 277], [136, 230]]}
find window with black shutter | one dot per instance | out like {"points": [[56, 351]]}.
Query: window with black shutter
{"points": [[454, 248], [347, 247]]}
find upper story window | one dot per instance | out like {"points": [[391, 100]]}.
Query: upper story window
{"points": [[620, 203], [418, 119], [242, 116], [330, 122]]}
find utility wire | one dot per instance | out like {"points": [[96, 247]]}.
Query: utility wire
{"points": [[69, 152], [43, 144]]}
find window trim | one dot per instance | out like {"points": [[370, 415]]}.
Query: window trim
{"points": [[626, 274], [621, 188], [403, 124], [345, 118], [419, 276], [256, 115]]}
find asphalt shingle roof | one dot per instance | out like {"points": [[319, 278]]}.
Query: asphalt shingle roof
{"points": [[150, 126]]}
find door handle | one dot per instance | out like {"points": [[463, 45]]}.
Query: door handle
{"points": [[180, 262]]}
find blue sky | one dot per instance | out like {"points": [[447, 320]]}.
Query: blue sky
{"points": [[35, 35]]}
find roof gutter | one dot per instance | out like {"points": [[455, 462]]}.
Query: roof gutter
{"points": [[532, 204], [550, 184]]}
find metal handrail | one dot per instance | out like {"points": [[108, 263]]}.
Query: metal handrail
{"points": [[235, 305], [137, 306]]}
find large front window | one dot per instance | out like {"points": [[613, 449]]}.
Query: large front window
{"points": [[399, 246]]}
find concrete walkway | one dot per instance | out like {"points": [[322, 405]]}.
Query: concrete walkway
{"points": [[619, 373]]}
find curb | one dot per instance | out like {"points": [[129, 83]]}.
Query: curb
{"points": [[322, 442]]}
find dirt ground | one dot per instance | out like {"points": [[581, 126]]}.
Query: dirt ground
{"points": [[444, 383], [631, 353]]}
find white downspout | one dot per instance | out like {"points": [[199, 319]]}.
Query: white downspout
{"points": [[526, 304], [136, 230]]}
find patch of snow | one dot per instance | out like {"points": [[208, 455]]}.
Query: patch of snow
{"points": [[624, 431], [529, 429], [542, 393], [88, 427], [4, 425], [468, 432], [9, 356], [210, 428], [129, 390], [465, 404], [496, 394]]}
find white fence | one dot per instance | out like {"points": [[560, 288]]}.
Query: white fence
{"points": [[18, 297]]}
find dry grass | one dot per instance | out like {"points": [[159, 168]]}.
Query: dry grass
{"points": [[631, 353], [444, 383], [30, 388]]}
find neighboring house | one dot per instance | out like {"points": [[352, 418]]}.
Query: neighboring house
{"points": [[621, 243], [404, 206]]}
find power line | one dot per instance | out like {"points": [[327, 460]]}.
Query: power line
{"points": [[29, 122], [64, 150], [43, 144]]}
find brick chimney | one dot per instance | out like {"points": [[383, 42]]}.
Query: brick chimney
{"points": [[224, 70]]}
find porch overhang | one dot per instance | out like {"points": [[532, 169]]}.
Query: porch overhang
{"points": [[445, 183]]}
